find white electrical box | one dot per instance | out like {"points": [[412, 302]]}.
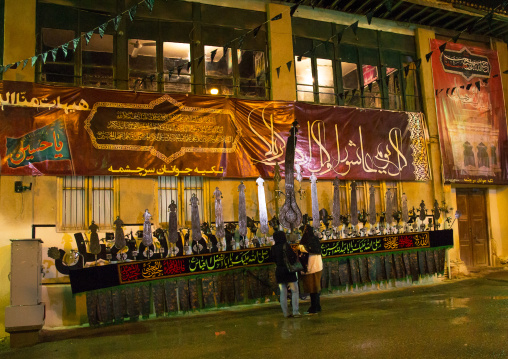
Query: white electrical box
{"points": [[26, 312]]}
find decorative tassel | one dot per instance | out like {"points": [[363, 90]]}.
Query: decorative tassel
{"points": [[389, 208], [242, 212], [314, 198], [263, 215], [405, 212], [219, 217], [119, 235], [172, 223], [195, 222]]}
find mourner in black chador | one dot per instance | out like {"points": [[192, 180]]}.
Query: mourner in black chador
{"points": [[311, 276], [283, 276]]}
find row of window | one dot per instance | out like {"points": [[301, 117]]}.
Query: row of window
{"points": [[154, 56], [87, 199]]}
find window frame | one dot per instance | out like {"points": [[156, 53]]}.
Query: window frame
{"points": [[87, 203]]}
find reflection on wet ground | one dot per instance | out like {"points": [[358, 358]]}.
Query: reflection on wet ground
{"points": [[456, 319]]}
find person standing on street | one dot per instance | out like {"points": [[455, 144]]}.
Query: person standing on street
{"points": [[311, 277]]}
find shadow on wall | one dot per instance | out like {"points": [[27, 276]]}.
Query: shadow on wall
{"points": [[5, 285]]}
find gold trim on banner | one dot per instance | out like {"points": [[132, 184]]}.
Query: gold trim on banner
{"points": [[151, 149], [419, 150]]}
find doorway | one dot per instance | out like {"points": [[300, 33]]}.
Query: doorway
{"points": [[473, 237]]}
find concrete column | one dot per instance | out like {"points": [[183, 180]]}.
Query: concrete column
{"points": [[19, 38], [280, 49]]}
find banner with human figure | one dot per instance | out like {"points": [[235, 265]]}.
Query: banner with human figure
{"points": [[68, 131], [471, 113]]}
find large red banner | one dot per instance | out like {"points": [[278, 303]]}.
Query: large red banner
{"points": [[52, 130], [471, 113]]}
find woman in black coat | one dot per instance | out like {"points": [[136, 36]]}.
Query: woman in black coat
{"points": [[283, 276]]}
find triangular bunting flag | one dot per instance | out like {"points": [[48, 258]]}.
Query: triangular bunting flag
{"points": [[276, 17], [293, 9], [241, 39], [388, 5], [75, 43], [369, 15], [339, 36], [418, 62], [225, 49], [299, 58], [485, 81], [200, 59], [53, 54], [406, 69], [34, 60], [477, 83], [387, 80], [341, 96], [442, 47], [278, 71], [288, 64], [116, 22], [88, 36], [468, 86], [188, 66], [170, 72], [132, 12], [346, 93], [505, 72], [24, 63], [256, 30], [212, 55], [1, 69], [180, 67], [354, 27], [102, 29], [456, 37], [428, 56], [64, 49], [149, 4], [44, 55], [370, 87], [353, 93]]}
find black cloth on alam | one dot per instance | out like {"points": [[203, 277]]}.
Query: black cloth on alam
{"points": [[282, 274]]}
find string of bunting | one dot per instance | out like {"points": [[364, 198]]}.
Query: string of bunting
{"points": [[131, 12]]}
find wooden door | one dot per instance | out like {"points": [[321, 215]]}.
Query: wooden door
{"points": [[473, 238]]}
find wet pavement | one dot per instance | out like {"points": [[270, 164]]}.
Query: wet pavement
{"points": [[466, 318]]}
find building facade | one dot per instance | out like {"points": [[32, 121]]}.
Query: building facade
{"points": [[326, 56]]}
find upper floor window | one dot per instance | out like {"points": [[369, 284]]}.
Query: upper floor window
{"points": [[314, 80], [142, 65]]}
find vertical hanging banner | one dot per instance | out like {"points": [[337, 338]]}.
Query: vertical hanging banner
{"points": [[71, 131], [471, 114]]}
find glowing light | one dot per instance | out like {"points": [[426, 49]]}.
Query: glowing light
{"points": [[214, 91]]}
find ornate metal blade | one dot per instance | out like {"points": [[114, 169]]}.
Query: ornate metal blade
{"points": [[290, 214], [405, 211], [389, 207], [147, 229], [314, 198], [173, 223], [336, 203]]}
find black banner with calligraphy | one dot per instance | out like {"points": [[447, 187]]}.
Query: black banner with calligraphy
{"points": [[93, 278], [471, 114], [50, 130]]}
